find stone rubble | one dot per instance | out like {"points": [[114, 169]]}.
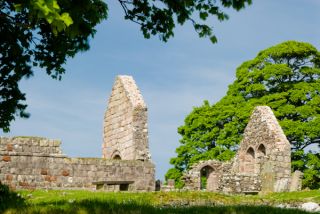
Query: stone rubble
{"points": [[310, 207]]}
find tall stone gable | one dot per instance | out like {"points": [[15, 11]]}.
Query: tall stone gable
{"points": [[125, 129], [265, 151]]}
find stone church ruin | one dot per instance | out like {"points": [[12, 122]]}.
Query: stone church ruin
{"points": [[262, 163], [38, 163]]}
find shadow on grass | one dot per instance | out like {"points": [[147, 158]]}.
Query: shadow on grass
{"points": [[109, 206], [9, 199]]}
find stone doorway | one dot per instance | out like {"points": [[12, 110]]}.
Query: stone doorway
{"points": [[209, 179]]}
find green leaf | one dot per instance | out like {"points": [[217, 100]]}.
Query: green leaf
{"points": [[213, 39], [18, 7], [65, 17]]}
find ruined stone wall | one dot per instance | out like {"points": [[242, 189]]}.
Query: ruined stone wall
{"points": [[262, 163], [265, 151], [193, 177], [237, 183], [33, 163], [125, 123], [221, 179]]}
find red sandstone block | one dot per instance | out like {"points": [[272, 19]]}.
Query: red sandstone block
{"points": [[44, 172], [9, 147], [50, 178], [9, 177], [31, 186], [6, 158], [65, 173], [23, 184]]}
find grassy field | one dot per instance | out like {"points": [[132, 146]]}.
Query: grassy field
{"points": [[84, 202]]}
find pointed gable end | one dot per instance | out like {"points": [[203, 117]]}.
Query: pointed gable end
{"points": [[125, 123], [265, 151]]}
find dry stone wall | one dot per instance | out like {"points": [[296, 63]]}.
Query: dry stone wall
{"points": [[125, 123], [221, 178], [236, 183], [33, 163]]}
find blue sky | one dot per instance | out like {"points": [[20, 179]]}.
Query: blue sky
{"points": [[173, 77]]}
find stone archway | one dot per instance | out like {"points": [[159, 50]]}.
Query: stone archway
{"points": [[116, 155], [209, 179]]}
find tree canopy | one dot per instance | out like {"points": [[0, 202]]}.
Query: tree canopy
{"points": [[44, 33], [40, 33], [285, 77]]}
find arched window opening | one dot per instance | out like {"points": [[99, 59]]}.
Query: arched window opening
{"points": [[261, 154], [249, 161], [262, 150], [116, 157], [250, 154]]}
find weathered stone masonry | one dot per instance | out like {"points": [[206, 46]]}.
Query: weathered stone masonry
{"points": [[38, 163], [262, 163], [125, 123], [31, 162]]}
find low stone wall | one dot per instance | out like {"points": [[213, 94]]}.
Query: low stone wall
{"points": [[239, 184], [34, 163], [220, 179], [30, 146]]}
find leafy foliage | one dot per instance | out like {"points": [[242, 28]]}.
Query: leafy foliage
{"points": [[9, 199], [48, 10], [176, 175], [285, 77], [40, 33], [44, 33], [158, 17], [310, 167]]}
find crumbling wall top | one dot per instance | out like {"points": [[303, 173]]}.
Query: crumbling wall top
{"points": [[132, 91], [264, 114]]}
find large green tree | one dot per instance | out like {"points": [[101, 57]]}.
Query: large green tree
{"points": [[44, 33], [285, 77]]}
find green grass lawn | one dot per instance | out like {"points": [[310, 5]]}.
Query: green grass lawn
{"points": [[71, 201]]}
